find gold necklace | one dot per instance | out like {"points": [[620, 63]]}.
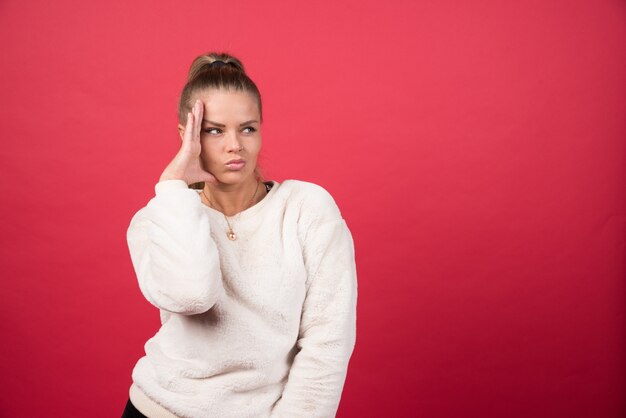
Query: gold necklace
{"points": [[231, 234]]}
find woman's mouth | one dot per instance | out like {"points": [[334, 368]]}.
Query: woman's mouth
{"points": [[235, 165]]}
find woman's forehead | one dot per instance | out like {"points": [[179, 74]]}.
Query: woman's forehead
{"points": [[228, 104], [222, 95]]}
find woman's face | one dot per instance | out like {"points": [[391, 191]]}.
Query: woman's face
{"points": [[230, 135]]}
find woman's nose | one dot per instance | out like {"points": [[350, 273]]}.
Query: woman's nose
{"points": [[233, 143]]}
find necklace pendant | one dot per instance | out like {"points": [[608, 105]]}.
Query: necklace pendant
{"points": [[231, 235]]}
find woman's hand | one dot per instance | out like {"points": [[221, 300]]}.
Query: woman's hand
{"points": [[187, 164]]}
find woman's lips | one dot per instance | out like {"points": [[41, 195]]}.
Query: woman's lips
{"points": [[235, 165]]}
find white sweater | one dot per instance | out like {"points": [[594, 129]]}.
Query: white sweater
{"points": [[263, 326]]}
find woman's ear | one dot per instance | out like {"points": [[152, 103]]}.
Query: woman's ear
{"points": [[181, 131]]}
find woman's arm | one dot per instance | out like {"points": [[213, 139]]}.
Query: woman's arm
{"points": [[328, 325], [174, 256], [176, 261]]}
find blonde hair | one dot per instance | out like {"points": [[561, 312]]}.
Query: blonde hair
{"points": [[203, 74]]}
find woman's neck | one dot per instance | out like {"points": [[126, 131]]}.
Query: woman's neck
{"points": [[232, 199]]}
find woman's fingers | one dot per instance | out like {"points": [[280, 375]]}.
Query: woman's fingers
{"points": [[197, 125], [194, 122], [188, 135], [187, 164]]}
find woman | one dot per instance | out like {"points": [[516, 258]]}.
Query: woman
{"points": [[255, 280]]}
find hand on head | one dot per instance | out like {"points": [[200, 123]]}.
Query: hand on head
{"points": [[187, 164]]}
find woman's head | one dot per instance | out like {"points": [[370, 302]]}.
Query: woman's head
{"points": [[230, 134], [216, 71]]}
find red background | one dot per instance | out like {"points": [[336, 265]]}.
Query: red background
{"points": [[477, 150]]}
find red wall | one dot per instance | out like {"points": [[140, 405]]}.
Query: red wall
{"points": [[477, 150]]}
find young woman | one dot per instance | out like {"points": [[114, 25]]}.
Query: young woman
{"points": [[255, 280]]}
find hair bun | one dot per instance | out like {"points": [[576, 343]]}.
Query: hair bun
{"points": [[213, 61]]}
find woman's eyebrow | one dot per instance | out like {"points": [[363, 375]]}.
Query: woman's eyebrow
{"points": [[221, 125]]}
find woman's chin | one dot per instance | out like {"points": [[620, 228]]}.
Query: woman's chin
{"points": [[233, 177]]}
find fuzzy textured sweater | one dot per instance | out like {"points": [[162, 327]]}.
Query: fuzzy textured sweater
{"points": [[263, 326]]}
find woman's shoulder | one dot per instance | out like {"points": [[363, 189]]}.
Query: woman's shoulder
{"points": [[310, 198], [298, 189], [302, 186]]}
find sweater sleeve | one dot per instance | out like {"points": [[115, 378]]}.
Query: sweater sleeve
{"points": [[328, 324], [173, 254]]}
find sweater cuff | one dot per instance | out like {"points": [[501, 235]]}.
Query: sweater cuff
{"points": [[167, 185]]}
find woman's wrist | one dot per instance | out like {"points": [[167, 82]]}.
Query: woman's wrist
{"points": [[171, 176]]}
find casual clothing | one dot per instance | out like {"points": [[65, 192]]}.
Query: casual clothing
{"points": [[262, 326], [131, 412], [147, 406]]}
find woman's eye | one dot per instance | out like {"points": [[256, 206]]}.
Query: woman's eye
{"points": [[212, 131], [249, 129]]}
